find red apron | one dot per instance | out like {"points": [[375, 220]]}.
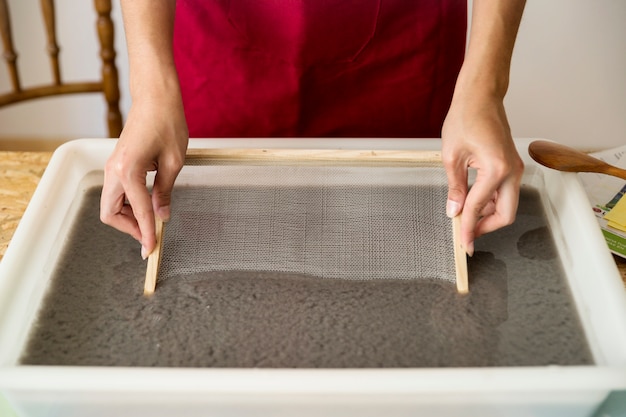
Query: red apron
{"points": [[318, 68]]}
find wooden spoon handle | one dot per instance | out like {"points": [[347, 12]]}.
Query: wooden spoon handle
{"points": [[616, 172]]}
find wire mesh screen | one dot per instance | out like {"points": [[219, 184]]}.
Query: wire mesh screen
{"points": [[343, 222]]}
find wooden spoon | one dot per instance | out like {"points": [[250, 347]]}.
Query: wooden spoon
{"points": [[563, 158]]}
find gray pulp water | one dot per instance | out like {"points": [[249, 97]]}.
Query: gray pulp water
{"points": [[519, 311]]}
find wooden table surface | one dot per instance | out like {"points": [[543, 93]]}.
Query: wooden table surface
{"points": [[20, 173]]}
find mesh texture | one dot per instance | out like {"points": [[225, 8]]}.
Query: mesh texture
{"points": [[345, 222]]}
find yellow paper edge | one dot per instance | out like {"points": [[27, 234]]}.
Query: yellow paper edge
{"points": [[617, 215], [616, 226]]}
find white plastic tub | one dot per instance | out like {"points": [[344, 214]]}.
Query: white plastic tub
{"points": [[101, 391]]}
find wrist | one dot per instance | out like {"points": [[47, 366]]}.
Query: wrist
{"points": [[159, 83], [479, 83]]}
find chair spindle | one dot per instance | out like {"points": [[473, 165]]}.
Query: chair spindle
{"points": [[47, 9], [9, 51], [109, 70]]}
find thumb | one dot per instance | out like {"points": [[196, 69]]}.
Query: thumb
{"points": [[162, 193], [457, 190]]}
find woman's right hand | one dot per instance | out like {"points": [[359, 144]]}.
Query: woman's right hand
{"points": [[154, 138]]}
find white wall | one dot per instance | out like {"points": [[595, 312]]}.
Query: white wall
{"points": [[568, 77], [568, 80]]}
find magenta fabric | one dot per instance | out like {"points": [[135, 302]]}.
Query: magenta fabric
{"points": [[318, 68]]}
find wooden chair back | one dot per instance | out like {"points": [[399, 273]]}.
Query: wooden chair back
{"points": [[108, 83]]}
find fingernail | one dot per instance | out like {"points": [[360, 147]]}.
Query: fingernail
{"points": [[164, 213], [144, 253], [452, 208], [470, 249]]}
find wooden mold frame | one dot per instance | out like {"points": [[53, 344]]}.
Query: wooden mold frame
{"points": [[199, 156]]}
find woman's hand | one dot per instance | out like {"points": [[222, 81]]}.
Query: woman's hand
{"points": [[154, 139], [155, 135], [476, 135]]}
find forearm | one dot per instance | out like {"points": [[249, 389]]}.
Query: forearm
{"points": [[493, 31], [149, 27], [476, 133], [155, 134]]}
